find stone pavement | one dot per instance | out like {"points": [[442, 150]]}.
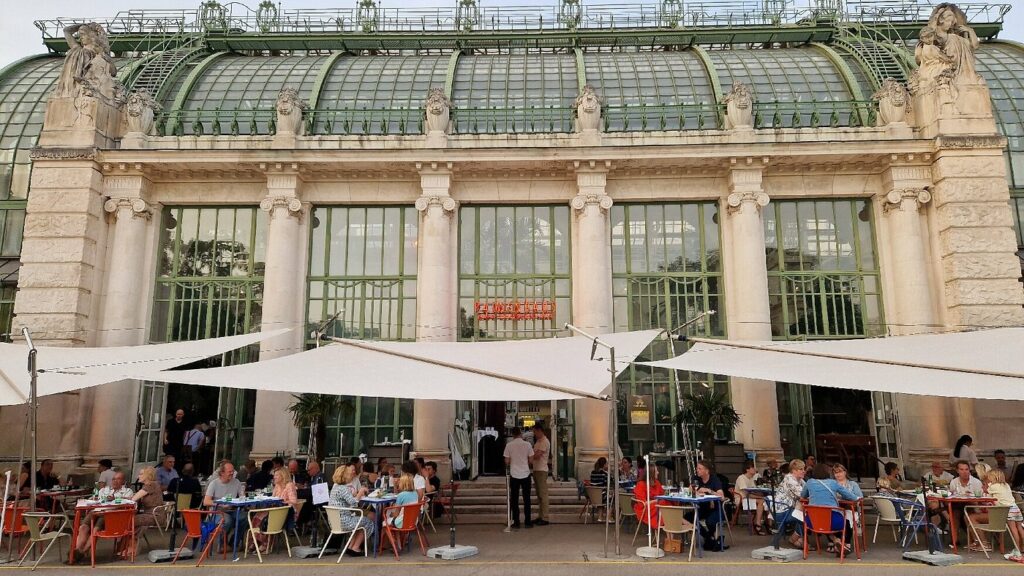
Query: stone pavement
{"points": [[553, 550]]}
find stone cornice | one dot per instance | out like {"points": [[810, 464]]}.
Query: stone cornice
{"points": [[55, 153], [993, 141]]}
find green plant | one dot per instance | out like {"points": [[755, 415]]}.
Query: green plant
{"points": [[312, 411], [707, 412]]}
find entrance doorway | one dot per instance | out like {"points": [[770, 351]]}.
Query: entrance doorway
{"points": [[200, 406], [848, 426], [555, 416]]}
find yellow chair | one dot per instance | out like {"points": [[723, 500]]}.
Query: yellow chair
{"points": [[276, 518], [996, 524], [673, 522], [338, 529], [37, 523]]}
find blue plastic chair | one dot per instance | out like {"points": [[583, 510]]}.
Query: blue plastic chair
{"points": [[912, 517]]}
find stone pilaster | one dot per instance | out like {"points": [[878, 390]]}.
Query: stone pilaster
{"points": [[748, 314], [436, 299], [282, 282], [980, 270], [591, 297], [124, 305]]}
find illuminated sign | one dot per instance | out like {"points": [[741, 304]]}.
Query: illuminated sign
{"points": [[641, 417], [525, 309]]}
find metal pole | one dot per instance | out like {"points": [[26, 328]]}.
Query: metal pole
{"points": [[615, 447], [3, 510], [33, 410]]}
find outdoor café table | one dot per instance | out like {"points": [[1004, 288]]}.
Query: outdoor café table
{"points": [[61, 496], [949, 501], [235, 506], [84, 507], [378, 503], [855, 510], [696, 501]]}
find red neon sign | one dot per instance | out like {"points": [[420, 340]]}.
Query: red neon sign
{"points": [[539, 309]]}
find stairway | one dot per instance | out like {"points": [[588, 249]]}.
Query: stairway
{"points": [[156, 72], [482, 501]]}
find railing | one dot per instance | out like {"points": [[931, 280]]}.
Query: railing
{"points": [[235, 18], [530, 120]]}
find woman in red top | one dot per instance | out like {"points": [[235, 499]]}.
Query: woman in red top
{"points": [[641, 494]]}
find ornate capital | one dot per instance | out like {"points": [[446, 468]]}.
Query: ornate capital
{"points": [[736, 200], [447, 203], [291, 205], [580, 202], [137, 207], [894, 199]]}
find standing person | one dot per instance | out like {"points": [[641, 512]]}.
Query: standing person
{"points": [[106, 469], [194, 441], [518, 453], [541, 452], [964, 451], [174, 433]]}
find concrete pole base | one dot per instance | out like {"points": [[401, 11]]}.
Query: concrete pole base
{"points": [[779, 555]]}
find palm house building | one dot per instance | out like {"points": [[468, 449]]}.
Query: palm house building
{"points": [[833, 169]]}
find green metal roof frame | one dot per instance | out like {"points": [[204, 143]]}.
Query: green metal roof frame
{"points": [[449, 74], [847, 74], [18, 128], [716, 85], [192, 78], [321, 79], [581, 69], [1015, 177], [125, 76]]}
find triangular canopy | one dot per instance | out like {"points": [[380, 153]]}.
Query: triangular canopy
{"points": [[543, 369], [986, 364], [66, 369]]}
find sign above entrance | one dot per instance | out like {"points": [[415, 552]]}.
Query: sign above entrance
{"points": [[522, 309]]}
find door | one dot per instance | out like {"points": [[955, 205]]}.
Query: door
{"points": [[235, 424], [149, 425], [796, 419], [886, 427]]}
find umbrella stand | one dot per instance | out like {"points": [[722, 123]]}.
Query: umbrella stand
{"points": [[649, 551]]}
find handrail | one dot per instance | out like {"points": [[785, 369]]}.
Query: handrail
{"points": [[234, 18], [516, 120]]}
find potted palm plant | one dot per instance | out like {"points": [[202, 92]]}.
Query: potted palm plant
{"points": [[312, 411], [708, 411]]}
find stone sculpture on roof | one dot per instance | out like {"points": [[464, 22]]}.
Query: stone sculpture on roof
{"points": [[587, 110], [946, 80], [739, 107], [289, 108], [438, 111], [89, 69]]}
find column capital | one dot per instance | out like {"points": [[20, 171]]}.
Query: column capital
{"points": [[291, 205], [447, 203], [736, 200], [580, 202], [897, 199], [136, 207]]}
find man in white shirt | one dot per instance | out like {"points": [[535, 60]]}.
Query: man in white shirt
{"points": [[518, 453], [964, 484], [938, 475], [106, 470], [116, 489], [541, 454]]}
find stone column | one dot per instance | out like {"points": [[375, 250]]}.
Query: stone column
{"points": [[749, 316], [436, 301], [591, 296], [283, 300], [925, 431], [976, 246], [124, 306]]}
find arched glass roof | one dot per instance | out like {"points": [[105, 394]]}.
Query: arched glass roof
{"points": [[1002, 66], [786, 81], [23, 91], [395, 86], [674, 80], [247, 83], [509, 84]]}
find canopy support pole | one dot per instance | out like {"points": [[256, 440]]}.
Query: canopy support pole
{"points": [[33, 403]]}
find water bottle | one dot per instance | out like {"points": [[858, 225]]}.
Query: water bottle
{"points": [[95, 490]]}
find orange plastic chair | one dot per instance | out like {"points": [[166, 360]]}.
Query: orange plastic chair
{"points": [[14, 523], [410, 515], [194, 531], [447, 499], [818, 521], [117, 524]]}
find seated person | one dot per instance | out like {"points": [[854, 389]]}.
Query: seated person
{"points": [[711, 513], [786, 500], [433, 488], [626, 471], [640, 494], [890, 483], [342, 496], [746, 501], [298, 474], [963, 485], [186, 484], [116, 489], [148, 499], [223, 485], [821, 490], [105, 468], [996, 487], [261, 479], [938, 475], [166, 472], [45, 478]]}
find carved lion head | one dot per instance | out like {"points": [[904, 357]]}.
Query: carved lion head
{"points": [[740, 95], [437, 103], [288, 100], [136, 102], [588, 101]]}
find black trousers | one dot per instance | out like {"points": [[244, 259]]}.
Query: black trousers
{"points": [[517, 485]]}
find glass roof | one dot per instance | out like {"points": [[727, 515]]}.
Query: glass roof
{"points": [[1002, 66], [519, 81], [791, 76], [23, 93], [652, 79], [247, 83]]}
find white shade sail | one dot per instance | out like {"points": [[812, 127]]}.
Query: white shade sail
{"points": [[986, 364], [67, 369], [543, 369]]}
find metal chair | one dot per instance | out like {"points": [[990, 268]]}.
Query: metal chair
{"points": [[410, 516], [14, 522], [37, 523], [292, 526], [448, 502], [595, 501], [338, 529], [183, 502], [885, 514], [193, 521], [276, 519], [818, 520], [117, 524], [996, 525], [643, 510], [913, 517], [674, 522]]}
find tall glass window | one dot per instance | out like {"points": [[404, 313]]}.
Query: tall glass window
{"points": [[1017, 209], [362, 263], [514, 272], [823, 277], [666, 269], [12, 221], [210, 283]]}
